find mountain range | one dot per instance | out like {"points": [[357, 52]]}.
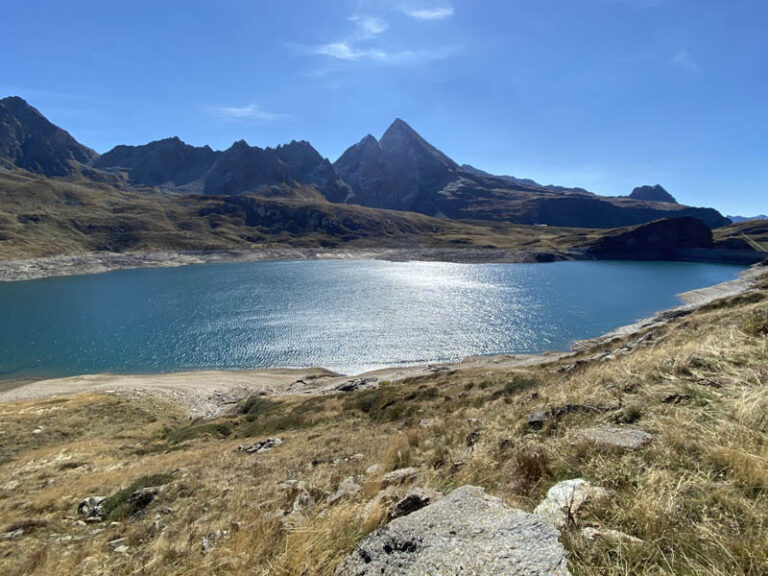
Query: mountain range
{"points": [[400, 171]]}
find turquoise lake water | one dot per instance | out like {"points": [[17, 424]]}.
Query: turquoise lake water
{"points": [[346, 315]]}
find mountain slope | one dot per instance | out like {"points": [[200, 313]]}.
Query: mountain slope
{"points": [[403, 171], [31, 142]]}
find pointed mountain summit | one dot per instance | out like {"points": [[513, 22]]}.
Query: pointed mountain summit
{"points": [[402, 171], [31, 142]]}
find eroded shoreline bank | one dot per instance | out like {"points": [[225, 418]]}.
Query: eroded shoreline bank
{"points": [[208, 393], [100, 262]]}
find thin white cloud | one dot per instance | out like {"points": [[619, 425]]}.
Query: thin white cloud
{"points": [[349, 53], [682, 59], [359, 46], [368, 26], [248, 112], [438, 13]]}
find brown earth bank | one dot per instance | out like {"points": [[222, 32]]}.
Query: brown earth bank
{"points": [[661, 433]]}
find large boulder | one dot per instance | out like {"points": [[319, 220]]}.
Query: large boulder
{"points": [[466, 532]]}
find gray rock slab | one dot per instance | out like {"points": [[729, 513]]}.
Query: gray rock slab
{"points": [[465, 533]]}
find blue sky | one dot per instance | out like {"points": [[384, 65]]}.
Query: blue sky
{"points": [[603, 94]]}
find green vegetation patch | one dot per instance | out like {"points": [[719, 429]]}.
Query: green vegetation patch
{"points": [[388, 403], [117, 505], [264, 416], [756, 323], [212, 429]]}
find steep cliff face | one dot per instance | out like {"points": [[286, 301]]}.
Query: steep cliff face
{"points": [[31, 142], [657, 240]]}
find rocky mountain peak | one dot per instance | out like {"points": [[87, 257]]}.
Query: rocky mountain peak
{"points": [[31, 142], [655, 193]]}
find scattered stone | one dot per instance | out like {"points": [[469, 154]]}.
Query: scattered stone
{"points": [[414, 500], [400, 476], [304, 503], [206, 544], [115, 544], [473, 437], [358, 384], [92, 508], [347, 489], [467, 532], [561, 506], [260, 446], [12, 535], [537, 419], [122, 549], [608, 534], [373, 470], [143, 498], [676, 398], [620, 438]]}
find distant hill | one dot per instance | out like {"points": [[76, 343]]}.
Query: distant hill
{"points": [[737, 219], [401, 171]]}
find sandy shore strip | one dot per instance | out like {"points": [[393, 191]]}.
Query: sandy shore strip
{"points": [[99, 262], [208, 393]]}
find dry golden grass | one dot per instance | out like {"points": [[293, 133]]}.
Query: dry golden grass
{"points": [[696, 496]]}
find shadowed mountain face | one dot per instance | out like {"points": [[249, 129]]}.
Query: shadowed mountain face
{"points": [[31, 142], [240, 169], [404, 172], [169, 161], [401, 171], [652, 193]]}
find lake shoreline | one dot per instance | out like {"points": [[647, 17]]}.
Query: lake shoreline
{"points": [[208, 393], [101, 262]]}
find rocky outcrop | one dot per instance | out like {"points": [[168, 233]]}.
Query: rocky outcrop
{"points": [[92, 508], [618, 438], [260, 446], [466, 532], [652, 193], [657, 240], [31, 142]]}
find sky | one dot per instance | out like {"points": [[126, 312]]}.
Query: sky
{"points": [[602, 94]]}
